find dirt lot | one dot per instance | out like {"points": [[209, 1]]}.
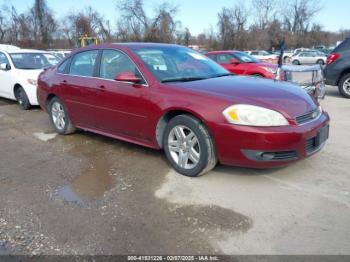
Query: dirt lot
{"points": [[87, 194]]}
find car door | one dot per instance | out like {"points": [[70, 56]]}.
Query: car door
{"points": [[79, 88], [225, 61], [126, 106], [6, 78]]}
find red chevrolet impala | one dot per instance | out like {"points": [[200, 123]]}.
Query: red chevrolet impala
{"points": [[173, 98]]}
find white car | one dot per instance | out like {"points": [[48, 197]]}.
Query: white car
{"points": [[304, 58], [19, 71], [264, 56]]}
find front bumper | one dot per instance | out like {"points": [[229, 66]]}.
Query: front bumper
{"points": [[245, 146]]}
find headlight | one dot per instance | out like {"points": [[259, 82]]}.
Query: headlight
{"points": [[32, 81], [269, 69], [249, 115]]}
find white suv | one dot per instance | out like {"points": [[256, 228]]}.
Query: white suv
{"points": [[19, 71]]}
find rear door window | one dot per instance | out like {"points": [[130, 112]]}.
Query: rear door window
{"points": [[83, 64], [344, 46]]}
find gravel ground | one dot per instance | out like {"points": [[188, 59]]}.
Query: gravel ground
{"points": [[87, 194]]}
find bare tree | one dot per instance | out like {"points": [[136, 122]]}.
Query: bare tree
{"points": [[232, 26], [265, 11], [299, 13], [44, 24]]}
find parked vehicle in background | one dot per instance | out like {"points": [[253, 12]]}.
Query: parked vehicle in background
{"points": [[337, 70], [60, 53], [19, 70], [264, 56], [241, 63], [8, 47], [172, 97], [310, 57]]}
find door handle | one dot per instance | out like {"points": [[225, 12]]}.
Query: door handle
{"points": [[102, 88]]}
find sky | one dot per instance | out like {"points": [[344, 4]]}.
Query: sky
{"points": [[197, 15]]}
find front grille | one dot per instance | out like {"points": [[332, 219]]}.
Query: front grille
{"points": [[305, 118]]}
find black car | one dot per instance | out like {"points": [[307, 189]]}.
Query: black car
{"points": [[337, 71]]}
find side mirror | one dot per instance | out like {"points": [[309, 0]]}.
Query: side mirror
{"points": [[5, 66], [127, 77], [234, 61]]}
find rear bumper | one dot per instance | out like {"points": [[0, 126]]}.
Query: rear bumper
{"points": [[244, 146], [332, 75]]}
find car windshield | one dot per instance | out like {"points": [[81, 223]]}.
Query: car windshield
{"points": [[245, 58], [178, 64], [33, 60]]}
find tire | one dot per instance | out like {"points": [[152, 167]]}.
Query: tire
{"points": [[320, 62], [296, 62], [59, 117], [344, 86], [22, 98], [202, 150]]}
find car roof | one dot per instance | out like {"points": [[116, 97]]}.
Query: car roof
{"points": [[16, 51], [223, 52]]}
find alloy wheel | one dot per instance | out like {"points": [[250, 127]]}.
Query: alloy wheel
{"points": [[346, 86], [184, 147], [58, 115]]}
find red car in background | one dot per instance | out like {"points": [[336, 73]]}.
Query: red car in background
{"points": [[241, 63]]}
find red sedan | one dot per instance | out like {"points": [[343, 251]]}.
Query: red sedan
{"points": [[241, 63], [173, 98]]}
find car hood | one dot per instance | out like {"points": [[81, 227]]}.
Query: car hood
{"points": [[284, 97]]}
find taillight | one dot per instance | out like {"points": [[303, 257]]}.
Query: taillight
{"points": [[332, 58]]}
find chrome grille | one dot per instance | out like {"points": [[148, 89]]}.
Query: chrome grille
{"points": [[302, 119]]}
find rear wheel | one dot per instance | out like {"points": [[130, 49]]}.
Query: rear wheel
{"points": [[344, 86], [22, 98], [59, 117], [188, 146]]}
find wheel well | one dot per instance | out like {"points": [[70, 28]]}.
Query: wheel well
{"points": [[15, 88], [49, 98], [346, 71], [164, 120]]}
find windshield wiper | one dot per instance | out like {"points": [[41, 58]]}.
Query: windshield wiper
{"points": [[222, 75], [183, 79]]}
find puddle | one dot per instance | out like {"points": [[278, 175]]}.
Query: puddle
{"points": [[96, 176], [67, 193], [45, 137]]}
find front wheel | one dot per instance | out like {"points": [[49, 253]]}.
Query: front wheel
{"points": [[59, 117], [22, 98], [344, 86], [188, 146]]}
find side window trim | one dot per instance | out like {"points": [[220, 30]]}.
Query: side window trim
{"points": [[122, 52]]}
